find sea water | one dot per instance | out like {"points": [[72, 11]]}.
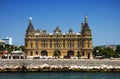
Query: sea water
{"points": [[60, 75]]}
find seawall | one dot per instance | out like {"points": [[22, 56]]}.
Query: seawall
{"points": [[59, 65]]}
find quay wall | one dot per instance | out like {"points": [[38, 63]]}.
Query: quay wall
{"points": [[59, 63]]}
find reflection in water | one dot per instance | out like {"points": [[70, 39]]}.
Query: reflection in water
{"points": [[59, 75]]}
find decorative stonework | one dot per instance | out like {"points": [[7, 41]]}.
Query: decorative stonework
{"points": [[40, 43]]}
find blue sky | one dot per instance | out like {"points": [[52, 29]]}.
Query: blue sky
{"points": [[103, 18]]}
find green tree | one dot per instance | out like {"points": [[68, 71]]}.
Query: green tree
{"points": [[16, 48], [1, 48], [97, 51], [78, 55], [105, 52], [7, 47], [109, 52], [118, 49], [22, 48], [56, 54]]}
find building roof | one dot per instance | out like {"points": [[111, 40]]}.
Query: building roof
{"points": [[30, 26], [2, 41], [86, 26], [17, 52]]}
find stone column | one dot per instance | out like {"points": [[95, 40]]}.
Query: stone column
{"points": [[8, 57], [91, 55], [85, 54], [19, 56], [11, 56]]}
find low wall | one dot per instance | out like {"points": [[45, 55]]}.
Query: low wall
{"points": [[59, 64]]}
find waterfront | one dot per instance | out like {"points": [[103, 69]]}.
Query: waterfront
{"points": [[60, 75], [28, 65]]}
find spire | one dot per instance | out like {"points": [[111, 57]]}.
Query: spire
{"points": [[85, 25], [30, 20], [57, 29], [86, 19], [30, 26], [70, 30]]}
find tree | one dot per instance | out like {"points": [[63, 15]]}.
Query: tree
{"points": [[109, 52], [22, 48], [97, 51], [56, 54], [16, 48], [7, 47], [118, 49], [105, 52], [78, 55], [1, 48]]}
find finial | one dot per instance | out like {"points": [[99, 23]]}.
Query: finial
{"points": [[30, 20], [57, 27], [86, 19]]}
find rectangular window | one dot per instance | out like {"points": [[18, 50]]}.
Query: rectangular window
{"points": [[50, 45], [31, 45], [88, 44], [83, 45], [78, 45], [31, 53], [63, 45], [45, 45], [83, 53], [26, 45], [57, 45], [36, 52], [36, 44]]}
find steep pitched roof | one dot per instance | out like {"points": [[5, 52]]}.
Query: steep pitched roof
{"points": [[85, 26], [30, 26]]}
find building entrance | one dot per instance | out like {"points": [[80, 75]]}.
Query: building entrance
{"points": [[70, 54], [44, 53]]}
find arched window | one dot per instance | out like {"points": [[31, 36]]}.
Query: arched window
{"points": [[70, 54], [50, 45], [36, 44], [31, 44], [44, 53], [31, 53], [36, 52], [88, 43], [78, 45], [83, 53], [63, 45]]}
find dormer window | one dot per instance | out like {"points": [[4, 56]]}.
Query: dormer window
{"points": [[70, 31], [57, 30]]}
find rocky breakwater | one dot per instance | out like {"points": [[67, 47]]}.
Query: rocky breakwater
{"points": [[26, 65]]}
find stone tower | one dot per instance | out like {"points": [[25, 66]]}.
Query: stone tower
{"points": [[86, 38]]}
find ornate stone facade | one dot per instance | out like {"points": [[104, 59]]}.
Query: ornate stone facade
{"points": [[39, 43]]}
